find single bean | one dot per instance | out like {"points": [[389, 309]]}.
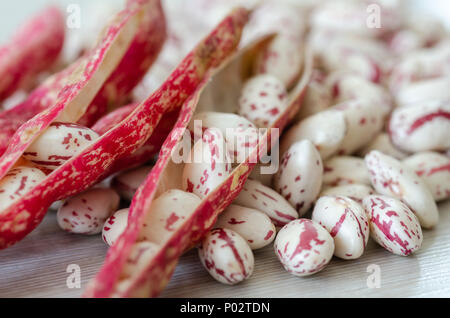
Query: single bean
{"points": [[434, 169], [58, 144], [304, 247], [299, 178], [226, 256], [393, 225], [262, 99], [356, 192], [422, 127], [202, 175], [87, 212], [383, 144], [16, 183], [347, 223]]}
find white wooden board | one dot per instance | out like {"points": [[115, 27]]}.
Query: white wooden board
{"points": [[36, 267]]}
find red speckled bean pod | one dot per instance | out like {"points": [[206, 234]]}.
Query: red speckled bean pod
{"points": [[33, 49], [141, 53]]}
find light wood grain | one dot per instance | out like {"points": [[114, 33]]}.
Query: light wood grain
{"points": [[36, 267]]}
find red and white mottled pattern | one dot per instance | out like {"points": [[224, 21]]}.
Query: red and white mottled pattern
{"points": [[356, 192], [209, 164], [347, 223], [423, 64], [226, 256], [393, 225], [166, 214], [263, 99], [282, 58], [424, 91], [364, 122], [58, 144], [318, 96], [326, 130], [343, 170], [262, 198], [127, 183], [86, 213], [347, 86], [434, 169], [404, 41], [34, 48], [299, 178], [17, 183], [383, 144], [421, 127], [241, 135], [115, 226], [253, 225], [304, 247], [391, 177]]}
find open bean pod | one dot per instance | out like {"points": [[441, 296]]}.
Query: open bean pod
{"points": [[186, 228], [140, 55], [95, 162]]}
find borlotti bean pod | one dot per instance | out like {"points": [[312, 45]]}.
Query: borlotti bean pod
{"points": [[143, 258], [77, 172], [34, 48], [147, 42]]}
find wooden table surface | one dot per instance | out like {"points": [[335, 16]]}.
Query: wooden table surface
{"points": [[36, 267]]}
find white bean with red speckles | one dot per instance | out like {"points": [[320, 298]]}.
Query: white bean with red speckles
{"points": [[434, 169], [127, 183], [383, 144], [209, 164], [299, 178], [326, 130], [393, 225], [115, 226], [347, 223], [87, 212], [253, 225], [166, 214], [356, 192], [391, 177], [226, 256], [342, 170], [263, 99], [240, 134], [364, 122], [59, 143], [422, 127], [282, 58], [304, 247], [259, 197], [17, 182]]}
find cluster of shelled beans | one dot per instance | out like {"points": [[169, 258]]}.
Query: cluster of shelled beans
{"points": [[366, 156]]}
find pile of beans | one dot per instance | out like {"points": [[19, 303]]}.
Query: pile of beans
{"points": [[366, 156]]}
